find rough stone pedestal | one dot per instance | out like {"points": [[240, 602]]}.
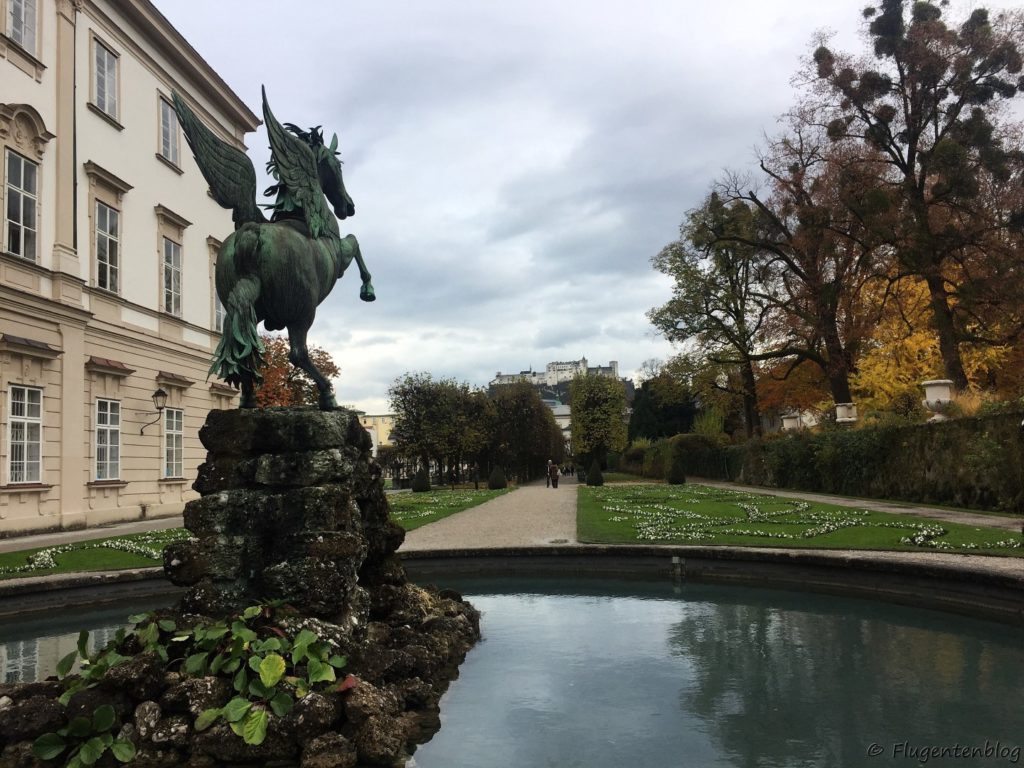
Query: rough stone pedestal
{"points": [[292, 509]]}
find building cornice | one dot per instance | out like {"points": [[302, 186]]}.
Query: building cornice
{"points": [[31, 303], [114, 298], [180, 52]]}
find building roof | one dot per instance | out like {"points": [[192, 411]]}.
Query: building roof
{"points": [[172, 44]]}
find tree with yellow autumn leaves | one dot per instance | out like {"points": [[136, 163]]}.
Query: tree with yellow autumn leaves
{"points": [[882, 233]]}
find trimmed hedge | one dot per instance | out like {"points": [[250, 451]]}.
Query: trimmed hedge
{"points": [[971, 462], [421, 482], [497, 480]]}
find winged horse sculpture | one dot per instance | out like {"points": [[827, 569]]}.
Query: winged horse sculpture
{"points": [[275, 271]]}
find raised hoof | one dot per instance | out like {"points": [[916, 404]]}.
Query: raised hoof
{"points": [[366, 292]]}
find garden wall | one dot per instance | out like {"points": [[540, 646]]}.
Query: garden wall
{"points": [[969, 462]]}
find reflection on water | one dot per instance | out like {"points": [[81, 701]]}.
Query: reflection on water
{"points": [[30, 650], [598, 674], [719, 676]]}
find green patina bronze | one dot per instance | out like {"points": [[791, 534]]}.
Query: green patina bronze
{"points": [[275, 271]]}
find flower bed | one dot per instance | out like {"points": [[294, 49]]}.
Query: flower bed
{"points": [[697, 514]]}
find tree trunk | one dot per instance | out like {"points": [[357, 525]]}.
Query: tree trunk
{"points": [[942, 317], [751, 414], [836, 368]]}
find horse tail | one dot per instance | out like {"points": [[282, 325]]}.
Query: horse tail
{"points": [[239, 355]]}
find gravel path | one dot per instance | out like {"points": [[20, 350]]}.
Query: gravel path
{"points": [[527, 517]]}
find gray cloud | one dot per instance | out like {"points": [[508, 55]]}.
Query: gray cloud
{"points": [[514, 164]]}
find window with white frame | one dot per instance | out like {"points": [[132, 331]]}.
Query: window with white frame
{"points": [[21, 193], [108, 440], [108, 257], [101, 637], [21, 661], [172, 277], [21, 24], [218, 313], [105, 78], [25, 444], [168, 132], [174, 430]]}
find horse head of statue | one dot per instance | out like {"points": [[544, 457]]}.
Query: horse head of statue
{"points": [[328, 167]]}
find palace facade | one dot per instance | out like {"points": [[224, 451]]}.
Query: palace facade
{"points": [[108, 315]]}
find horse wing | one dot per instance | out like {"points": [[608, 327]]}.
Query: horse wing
{"points": [[297, 169], [227, 169]]}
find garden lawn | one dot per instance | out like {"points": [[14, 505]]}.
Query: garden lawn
{"points": [[412, 510], [696, 514], [626, 477], [139, 550]]}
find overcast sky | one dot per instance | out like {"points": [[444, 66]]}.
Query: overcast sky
{"points": [[514, 164]]}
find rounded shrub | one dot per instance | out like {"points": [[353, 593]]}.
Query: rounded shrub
{"points": [[421, 481], [676, 474], [594, 476], [497, 480]]}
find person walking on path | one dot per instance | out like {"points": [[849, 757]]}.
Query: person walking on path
{"points": [[552, 474]]}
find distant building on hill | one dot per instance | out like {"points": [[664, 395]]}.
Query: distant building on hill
{"points": [[553, 386], [557, 373]]}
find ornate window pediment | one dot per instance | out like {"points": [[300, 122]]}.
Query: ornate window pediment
{"points": [[23, 129]]}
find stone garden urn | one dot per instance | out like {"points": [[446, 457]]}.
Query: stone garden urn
{"points": [[846, 413], [938, 397]]}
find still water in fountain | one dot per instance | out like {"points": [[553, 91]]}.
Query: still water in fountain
{"points": [[610, 674], [638, 674]]}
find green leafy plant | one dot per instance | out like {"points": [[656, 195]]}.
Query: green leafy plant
{"points": [[94, 666], [268, 669], [85, 740]]}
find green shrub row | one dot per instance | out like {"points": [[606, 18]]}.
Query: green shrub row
{"points": [[969, 462]]}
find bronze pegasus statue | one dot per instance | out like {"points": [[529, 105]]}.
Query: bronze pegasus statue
{"points": [[277, 270]]}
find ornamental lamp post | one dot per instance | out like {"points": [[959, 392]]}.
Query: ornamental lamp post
{"points": [[159, 402], [938, 396]]}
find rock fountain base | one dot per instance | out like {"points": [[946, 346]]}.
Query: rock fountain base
{"points": [[292, 541]]}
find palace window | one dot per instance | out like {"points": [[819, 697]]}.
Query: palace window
{"points": [[21, 24], [105, 79], [168, 132], [213, 244], [22, 198], [174, 429], [26, 435], [172, 277], [108, 439], [218, 313], [108, 257]]}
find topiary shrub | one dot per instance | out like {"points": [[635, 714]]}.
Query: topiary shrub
{"points": [[421, 481], [594, 476], [497, 480], [676, 474]]}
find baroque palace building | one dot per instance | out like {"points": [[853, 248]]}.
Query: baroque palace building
{"points": [[108, 315]]}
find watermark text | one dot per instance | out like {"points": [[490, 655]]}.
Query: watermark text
{"points": [[922, 753]]}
